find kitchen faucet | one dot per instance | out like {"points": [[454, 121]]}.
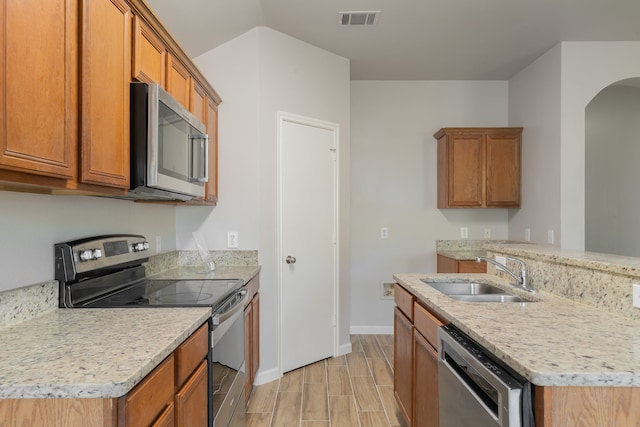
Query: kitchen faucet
{"points": [[521, 281]]}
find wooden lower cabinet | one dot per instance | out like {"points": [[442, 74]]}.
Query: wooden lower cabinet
{"points": [[425, 367], [178, 385], [149, 399], [403, 364], [163, 398], [415, 361], [192, 398], [452, 265], [587, 406], [251, 335]]}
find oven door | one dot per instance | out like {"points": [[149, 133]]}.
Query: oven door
{"points": [[228, 367]]}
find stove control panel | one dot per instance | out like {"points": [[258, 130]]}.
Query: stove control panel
{"points": [[86, 257]]}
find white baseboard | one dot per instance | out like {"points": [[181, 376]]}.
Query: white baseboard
{"points": [[263, 377], [371, 330], [344, 349]]}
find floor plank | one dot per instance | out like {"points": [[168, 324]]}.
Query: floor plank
{"points": [[354, 390]]}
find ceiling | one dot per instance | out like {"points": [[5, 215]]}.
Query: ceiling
{"points": [[413, 39]]}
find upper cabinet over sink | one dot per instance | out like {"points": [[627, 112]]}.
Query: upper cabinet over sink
{"points": [[64, 93], [479, 167]]}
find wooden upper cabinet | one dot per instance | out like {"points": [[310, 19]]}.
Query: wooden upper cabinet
{"points": [[479, 167], [106, 74], [211, 188], [198, 101], [38, 87], [503, 169], [149, 55], [178, 80]]}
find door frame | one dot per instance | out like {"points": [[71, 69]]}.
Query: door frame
{"points": [[283, 117]]}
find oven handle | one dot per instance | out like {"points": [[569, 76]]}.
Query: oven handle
{"points": [[222, 321]]}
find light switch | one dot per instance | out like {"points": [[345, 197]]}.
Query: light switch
{"points": [[636, 295], [384, 233]]}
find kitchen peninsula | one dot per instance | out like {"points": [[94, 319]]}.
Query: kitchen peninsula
{"points": [[576, 341]]}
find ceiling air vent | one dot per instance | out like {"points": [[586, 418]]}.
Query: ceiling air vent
{"points": [[358, 19]]}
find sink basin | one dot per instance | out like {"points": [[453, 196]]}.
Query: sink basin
{"points": [[474, 292], [465, 288], [488, 298]]}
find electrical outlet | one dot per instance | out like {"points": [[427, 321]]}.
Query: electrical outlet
{"points": [[550, 237], [527, 234], [636, 295], [384, 233], [502, 260], [464, 233], [487, 233], [158, 244], [232, 239]]}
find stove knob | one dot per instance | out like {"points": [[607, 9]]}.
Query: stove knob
{"points": [[86, 255], [97, 253], [140, 246], [146, 246]]}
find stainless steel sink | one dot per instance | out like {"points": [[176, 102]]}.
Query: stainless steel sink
{"points": [[465, 288], [474, 292], [488, 298]]}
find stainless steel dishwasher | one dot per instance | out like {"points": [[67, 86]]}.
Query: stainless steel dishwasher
{"points": [[474, 389]]}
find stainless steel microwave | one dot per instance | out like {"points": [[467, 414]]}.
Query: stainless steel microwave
{"points": [[169, 147]]}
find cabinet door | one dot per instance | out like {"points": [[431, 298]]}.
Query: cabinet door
{"points": [[446, 264], [191, 400], [38, 87], [198, 101], [149, 399], [248, 381], [503, 170], [403, 363], [425, 364], [178, 78], [149, 55], [255, 337], [465, 166], [167, 418], [211, 188], [106, 74]]}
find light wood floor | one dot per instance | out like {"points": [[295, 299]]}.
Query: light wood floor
{"points": [[355, 390]]}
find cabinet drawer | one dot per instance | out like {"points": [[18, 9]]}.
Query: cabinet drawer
{"points": [[191, 353], [427, 324], [149, 398], [404, 301]]}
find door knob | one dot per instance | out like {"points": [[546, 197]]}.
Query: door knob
{"points": [[290, 260]]}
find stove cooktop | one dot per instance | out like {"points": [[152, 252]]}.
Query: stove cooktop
{"points": [[169, 293]]}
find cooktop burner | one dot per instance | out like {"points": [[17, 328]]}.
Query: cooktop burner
{"points": [[170, 293]]}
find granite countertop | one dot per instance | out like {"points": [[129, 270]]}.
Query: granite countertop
{"points": [[551, 342], [99, 353], [90, 353]]}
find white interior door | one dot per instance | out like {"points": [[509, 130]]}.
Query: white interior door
{"points": [[307, 236]]}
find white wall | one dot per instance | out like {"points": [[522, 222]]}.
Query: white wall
{"points": [[534, 103], [587, 68], [550, 97], [258, 74], [394, 185], [612, 205], [30, 224]]}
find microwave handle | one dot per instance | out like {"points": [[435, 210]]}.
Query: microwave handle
{"points": [[192, 155]]}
